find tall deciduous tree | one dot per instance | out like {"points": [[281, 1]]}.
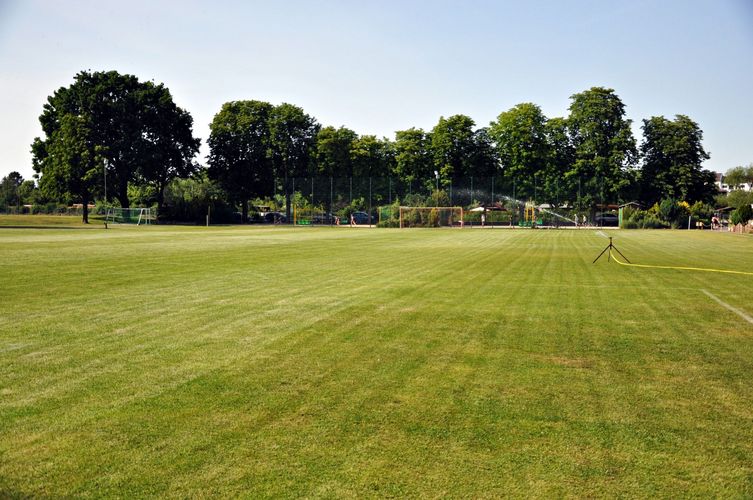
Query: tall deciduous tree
{"points": [[167, 143], [292, 135], [604, 144], [9, 189], [520, 136], [333, 151], [558, 185], [239, 143], [134, 125], [69, 161], [483, 157], [413, 159], [739, 175], [452, 147], [371, 156], [672, 152]]}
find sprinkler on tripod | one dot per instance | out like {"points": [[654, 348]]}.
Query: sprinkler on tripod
{"points": [[609, 248]]}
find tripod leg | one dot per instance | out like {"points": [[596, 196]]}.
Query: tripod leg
{"points": [[602, 253], [626, 259]]}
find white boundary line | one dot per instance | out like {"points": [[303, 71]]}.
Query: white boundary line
{"points": [[735, 310], [602, 234]]}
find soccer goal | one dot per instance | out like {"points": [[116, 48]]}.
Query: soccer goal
{"points": [[431, 217], [136, 216]]}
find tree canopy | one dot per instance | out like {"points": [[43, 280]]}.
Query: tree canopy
{"points": [[672, 152], [603, 143], [135, 131], [239, 158], [105, 118]]}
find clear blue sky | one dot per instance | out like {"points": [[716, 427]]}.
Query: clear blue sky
{"points": [[378, 67]]}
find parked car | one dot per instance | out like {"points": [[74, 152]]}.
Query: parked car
{"points": [[362, 218], [273, 218], [606, 219], [323, 219]]}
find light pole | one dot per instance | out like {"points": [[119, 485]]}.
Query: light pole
{"points": [[436, 195], [104, 168]]}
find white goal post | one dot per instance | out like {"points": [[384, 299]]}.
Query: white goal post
{"points": [[138, 216], [431, 217]]}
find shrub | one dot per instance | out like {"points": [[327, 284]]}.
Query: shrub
{"points": [[742, 215], [651, 222]]}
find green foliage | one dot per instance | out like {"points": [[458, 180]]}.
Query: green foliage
{"points": [[9, 190], [439, 198], [736, 199], [452, 148], [603, 144], [520, 135], [372, 156], [738, 176], [741, 215], [239, 158], [413, 158], [674, 213], [672, 154], [189, 200], [104, 116], [333, 151]]}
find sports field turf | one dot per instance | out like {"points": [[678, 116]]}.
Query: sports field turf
{"points": [[354, 362]]}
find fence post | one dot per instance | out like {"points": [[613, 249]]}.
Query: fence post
{"points": [[369, 201]]}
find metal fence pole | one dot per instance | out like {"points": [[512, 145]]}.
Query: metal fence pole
{"points": [[369, 200]]}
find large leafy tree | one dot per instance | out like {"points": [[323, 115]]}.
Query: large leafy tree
{"points": [[371, 156], [413, 159], [482, 159], [520, 136], [70, 161], [333, 151], [292, 142], [239, 143], [604, 145], [739, 175], [135, 126], [557, 185], [167, 144], [9, 189], [452, 147], [673, 152]]}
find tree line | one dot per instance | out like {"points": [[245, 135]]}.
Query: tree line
{"points": [[110, 125]]}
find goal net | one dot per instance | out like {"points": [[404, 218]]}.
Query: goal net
{"points": [[312, 216], [431, 217], [136, 216]]}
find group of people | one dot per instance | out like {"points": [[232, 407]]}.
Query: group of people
{"points": [[584, 221], [352, 221]]}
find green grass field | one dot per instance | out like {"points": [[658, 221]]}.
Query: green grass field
{"points": [[355, 363]]}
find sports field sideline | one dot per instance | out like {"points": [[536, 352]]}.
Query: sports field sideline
{"points": [[336, 362]]}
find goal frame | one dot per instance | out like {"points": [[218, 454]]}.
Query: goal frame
{"points": [[458, 210], [146, 215]]}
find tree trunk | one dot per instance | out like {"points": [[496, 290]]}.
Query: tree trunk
{"points": [[244, 208], [287, 193], [85, 199], [160, 198], [122, 196]]}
